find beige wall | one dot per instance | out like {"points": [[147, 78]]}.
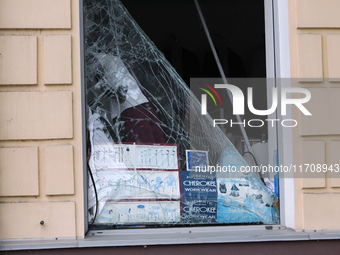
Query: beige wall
{"points": [[41, 171], [314, 27]]}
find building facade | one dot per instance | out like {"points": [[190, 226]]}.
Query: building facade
{"points": [[43, 183]]}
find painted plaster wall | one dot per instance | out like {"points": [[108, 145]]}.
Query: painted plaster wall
{"points": [[315, 62], [41, 171]]}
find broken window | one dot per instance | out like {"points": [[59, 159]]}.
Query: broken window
{"points": [[147, 136]]}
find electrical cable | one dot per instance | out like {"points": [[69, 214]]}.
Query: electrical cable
{"points": [[97, 202], [253, 156]]}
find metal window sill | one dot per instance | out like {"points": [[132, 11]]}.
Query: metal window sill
{"points": [[142, 237]]}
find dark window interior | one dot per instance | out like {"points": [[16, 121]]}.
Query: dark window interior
{"points": [[236, 28]]}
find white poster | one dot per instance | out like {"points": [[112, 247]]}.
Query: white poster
{"points": [[130, 156], [143, 184], [140, 212]]}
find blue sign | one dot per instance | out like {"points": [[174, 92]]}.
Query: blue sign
{"points": [[199, 197], [199, 211], [197, 160], [198, 186]]}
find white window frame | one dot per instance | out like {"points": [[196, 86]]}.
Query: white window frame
{"points": [[282, 66], [278, 66]]}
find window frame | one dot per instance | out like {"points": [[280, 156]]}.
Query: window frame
{"points": [[278, 66]]}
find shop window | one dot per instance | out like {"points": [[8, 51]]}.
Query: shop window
{"points": [[146, 135]]}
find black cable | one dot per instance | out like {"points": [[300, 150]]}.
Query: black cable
{"points": [[96, 195], [255, 163], [244, 153]]}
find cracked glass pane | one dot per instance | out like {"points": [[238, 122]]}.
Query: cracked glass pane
{"points": [[146, 136]]}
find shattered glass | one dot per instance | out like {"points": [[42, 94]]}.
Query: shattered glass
{"points": [[146, 134]]}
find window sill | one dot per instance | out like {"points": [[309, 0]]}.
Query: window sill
{"points": [[142, 237]]}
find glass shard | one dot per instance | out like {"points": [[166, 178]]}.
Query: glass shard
{"points": [[146, 135]]}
